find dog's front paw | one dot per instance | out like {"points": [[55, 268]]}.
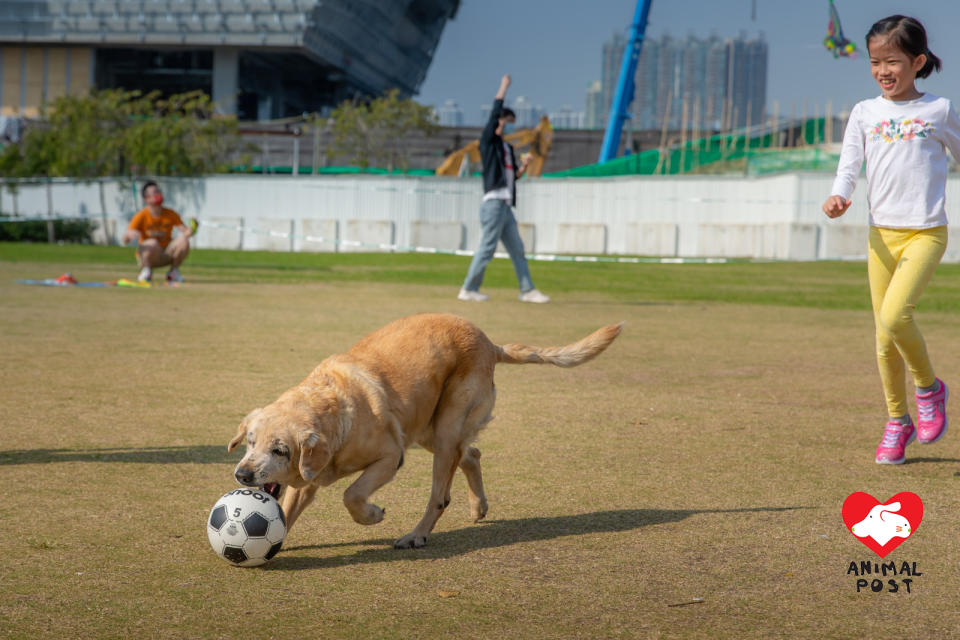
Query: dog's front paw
{"points": [[372, 514], [478, 509], [410, 541]]}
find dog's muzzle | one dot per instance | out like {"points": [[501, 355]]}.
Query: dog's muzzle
{"points": [[244, 476]]}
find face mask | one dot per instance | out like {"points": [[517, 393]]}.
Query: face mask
{"points": [[507, 128]]}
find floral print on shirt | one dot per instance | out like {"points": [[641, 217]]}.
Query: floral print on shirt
{"points": [[893, 130]]}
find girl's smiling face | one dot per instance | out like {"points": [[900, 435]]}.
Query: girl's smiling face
{"points": [[893, 69]]}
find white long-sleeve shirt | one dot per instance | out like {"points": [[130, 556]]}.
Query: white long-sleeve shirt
{"points": [[904, 145]]}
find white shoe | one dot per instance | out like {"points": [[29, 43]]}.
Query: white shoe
{"points": [[174, 276], [535, 296], [472, 296], [146, 275]]}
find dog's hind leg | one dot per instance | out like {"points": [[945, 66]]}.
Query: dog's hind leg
{"points": [[295, 500], [479, 416], [446, 457], [356, 497], [455, 427], [470, 465]]}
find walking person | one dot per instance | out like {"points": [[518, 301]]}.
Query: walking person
{"points": [[497, 222], [902, 136]]}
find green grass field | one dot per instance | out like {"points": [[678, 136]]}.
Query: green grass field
{"points": [[686, 484]]}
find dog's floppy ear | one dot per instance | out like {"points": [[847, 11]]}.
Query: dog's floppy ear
{"points": [[315, 454], [242, 430]]}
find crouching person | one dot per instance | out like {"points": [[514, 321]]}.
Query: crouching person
{"points": [[152, 229]]}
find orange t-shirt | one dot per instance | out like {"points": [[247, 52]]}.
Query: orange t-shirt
{"points": [[157, 227]]}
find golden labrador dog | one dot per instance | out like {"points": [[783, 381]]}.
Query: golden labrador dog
{"points": [[425, 379]]}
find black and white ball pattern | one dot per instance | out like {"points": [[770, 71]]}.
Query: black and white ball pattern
{"points": [[246, 527]]}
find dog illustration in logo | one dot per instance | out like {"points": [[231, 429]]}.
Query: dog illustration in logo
{"points": [[882, 524]]}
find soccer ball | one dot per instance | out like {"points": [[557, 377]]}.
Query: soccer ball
{"points": [[246, 527]]}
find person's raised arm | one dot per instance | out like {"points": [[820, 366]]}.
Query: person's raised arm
{"points": [[504, 85], [494, 121]]}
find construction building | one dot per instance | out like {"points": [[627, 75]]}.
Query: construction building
{"points": [[720, 82]]}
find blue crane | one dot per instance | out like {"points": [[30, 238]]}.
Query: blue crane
{"points": [[625, 85]]}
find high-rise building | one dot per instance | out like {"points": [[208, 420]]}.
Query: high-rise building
{"points": [[567, 118], [645, 106], [715, 87], [719, 83], [692, 80], [610, 71], [756, 71], [593, 115], [527, 114], [668, 82], [450, 114]]}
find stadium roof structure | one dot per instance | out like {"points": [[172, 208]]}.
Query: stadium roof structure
{"points": [[355, 47]]}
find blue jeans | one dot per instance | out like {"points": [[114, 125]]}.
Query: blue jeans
{"points": [[497, 223]]}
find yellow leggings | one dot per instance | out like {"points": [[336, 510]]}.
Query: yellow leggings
{"points": [[900, 264]]}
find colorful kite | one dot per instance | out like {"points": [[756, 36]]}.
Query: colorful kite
{"points": [[835, 42]]}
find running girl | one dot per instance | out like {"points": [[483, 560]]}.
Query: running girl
{"points": [[902, 136]]}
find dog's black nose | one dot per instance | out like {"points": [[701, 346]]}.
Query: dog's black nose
{"points": [[244, 476]]}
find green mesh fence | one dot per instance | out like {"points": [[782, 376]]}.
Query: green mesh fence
{"points": [[778, 161], [737, 152], [734, 152]]}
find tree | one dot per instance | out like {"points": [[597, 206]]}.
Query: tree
{"points": [[377, 133], [119, 133], [124, 133]]}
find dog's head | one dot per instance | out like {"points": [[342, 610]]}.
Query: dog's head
{"points": [[288, 443]]}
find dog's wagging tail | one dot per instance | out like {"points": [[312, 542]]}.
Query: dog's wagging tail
{"points": [[569, 356]]}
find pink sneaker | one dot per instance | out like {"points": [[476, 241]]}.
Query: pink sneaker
{"points": [[896, 437], [932, 414]]}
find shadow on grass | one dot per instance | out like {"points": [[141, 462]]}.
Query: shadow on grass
{"points": [[497, 533], [930, 460], [204, 454]]}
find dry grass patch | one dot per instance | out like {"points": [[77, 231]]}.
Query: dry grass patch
{"points": [[687, 483]]}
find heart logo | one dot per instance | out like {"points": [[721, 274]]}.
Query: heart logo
{"points": [[882, 527]]}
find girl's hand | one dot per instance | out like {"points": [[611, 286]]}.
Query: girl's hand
{"points": [[835, 206]]}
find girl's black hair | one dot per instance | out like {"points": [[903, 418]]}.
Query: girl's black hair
{"points": [[908, 35]]}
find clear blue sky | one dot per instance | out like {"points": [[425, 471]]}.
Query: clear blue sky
{"points": [[553, 48]]}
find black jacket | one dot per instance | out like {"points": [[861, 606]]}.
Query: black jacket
{"points": [[491, 151]]}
